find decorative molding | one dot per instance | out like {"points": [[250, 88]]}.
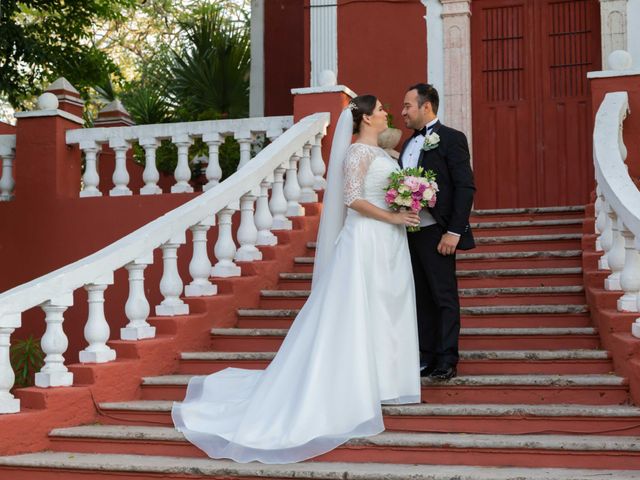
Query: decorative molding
{"points": [[330, 89], [613, 21]]}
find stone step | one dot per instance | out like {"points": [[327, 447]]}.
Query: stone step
{"points": [[473, 418], [264, 339], [503, 389], [613, 452], [528, 210], [472, 362], [571, 294], [75, 466]]}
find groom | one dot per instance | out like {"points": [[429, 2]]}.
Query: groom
{"points": [[444, 229]]}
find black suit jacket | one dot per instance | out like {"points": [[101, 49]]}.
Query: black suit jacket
{"points": [[450, 161]]}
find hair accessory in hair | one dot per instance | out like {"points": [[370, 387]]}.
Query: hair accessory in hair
{"points": [[352, 106]]}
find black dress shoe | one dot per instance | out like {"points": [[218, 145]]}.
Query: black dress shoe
{"points": [[443, 373], [426, 369]]}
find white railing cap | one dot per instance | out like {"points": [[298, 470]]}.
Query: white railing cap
{"points": [[611, 172], [144, 240]]}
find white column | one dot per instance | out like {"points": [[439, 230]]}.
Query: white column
{"points": [[182, 172], [278, 202], [263, 217], [97, 331], [151, 176], [606, 238], [306, 177], [54, 343], [8, 403], [225, 248], [324, 39], [292, 188], [213, 172], [90, 178], [601, 216], [613, 27], [200, 265], [635, 328], [171, 283], [435, 57], [247, 231], [256, 84], [244, 140], [317, 164], [615, 256], [7, 183], [630, 276], [456, 16], [120, 174], [633, 31], [137, 308]]}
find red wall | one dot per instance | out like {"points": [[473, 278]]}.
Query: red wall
{"points": [[6, 129], [284, 54], [382, 49], [599, 88]]}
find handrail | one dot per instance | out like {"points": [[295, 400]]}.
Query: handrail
{"points": [[149, 237]]}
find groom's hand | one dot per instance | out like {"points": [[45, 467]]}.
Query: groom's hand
{"points": [[448, 244]]}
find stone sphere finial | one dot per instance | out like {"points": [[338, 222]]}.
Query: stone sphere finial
{"points": [[327, 78], [47, 101], [620, 60]]}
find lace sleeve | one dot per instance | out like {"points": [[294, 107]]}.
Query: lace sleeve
{"points": [[356, 165]]}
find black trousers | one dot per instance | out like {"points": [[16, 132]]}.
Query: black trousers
{"points": [[437, 298]]}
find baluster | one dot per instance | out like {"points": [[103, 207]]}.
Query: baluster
{"points": [[630, 276], [200, 265], [171, 283], [97, 331], [292, 188], [606, 239], [263, 217], [244, 140], [90, 178], [635, 327], [213, 172], [317, 164], [601, 216], [247, 232], [225, 248], [137, 308], [8, 403], [120, 174], [306, 177], [54, 343], [615, 256], [182, 172], [7, 183], [150, 176], [278, 202]]}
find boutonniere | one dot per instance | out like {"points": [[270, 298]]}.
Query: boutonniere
{"points": [[431, 141]]}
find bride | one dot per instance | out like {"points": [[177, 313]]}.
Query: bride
{"points": [[354, 344]]}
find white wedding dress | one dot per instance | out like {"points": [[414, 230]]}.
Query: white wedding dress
{"points": [[352, 347]]}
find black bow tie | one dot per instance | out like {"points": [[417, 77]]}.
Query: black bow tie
{"points": [[422, 132]]}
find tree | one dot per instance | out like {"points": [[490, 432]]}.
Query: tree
{"points": [[41, 40]]}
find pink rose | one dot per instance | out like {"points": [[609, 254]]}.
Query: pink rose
{"points": [[415, 205], [412, 183], [391, 195], [432, 202]]}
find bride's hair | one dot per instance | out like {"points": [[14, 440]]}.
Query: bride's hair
{"points": [[360, 106]]}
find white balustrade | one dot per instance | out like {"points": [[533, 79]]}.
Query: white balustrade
{"points": [[96, 330], [278, 202], [150, 176], [54, 343], [120, 174], [200, 265], [615, 256], [606, 239], [306, 177], [225, 248], [600, 222], [90, 178], [182, 172], [8, 403], [317, 164], [630, 276], [244, 141], [213, 172], [7, 157], [263, 217], [137, 308], [247, 231], [292, 188], [171, 283]]}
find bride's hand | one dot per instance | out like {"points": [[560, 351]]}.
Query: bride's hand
{"points": [[406, 217]]}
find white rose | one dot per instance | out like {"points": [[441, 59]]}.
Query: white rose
{"points": [[403, 189], [428, 194]]}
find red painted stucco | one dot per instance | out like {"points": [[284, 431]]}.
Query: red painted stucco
{"points": [[6, 129]]}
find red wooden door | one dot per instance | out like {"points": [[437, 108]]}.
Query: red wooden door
{"points": [[531, 108]]}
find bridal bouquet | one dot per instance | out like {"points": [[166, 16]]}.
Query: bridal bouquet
{"points": [[412, 188]]}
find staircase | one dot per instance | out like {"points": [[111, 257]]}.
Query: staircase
{"points": [[536, 398]]}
